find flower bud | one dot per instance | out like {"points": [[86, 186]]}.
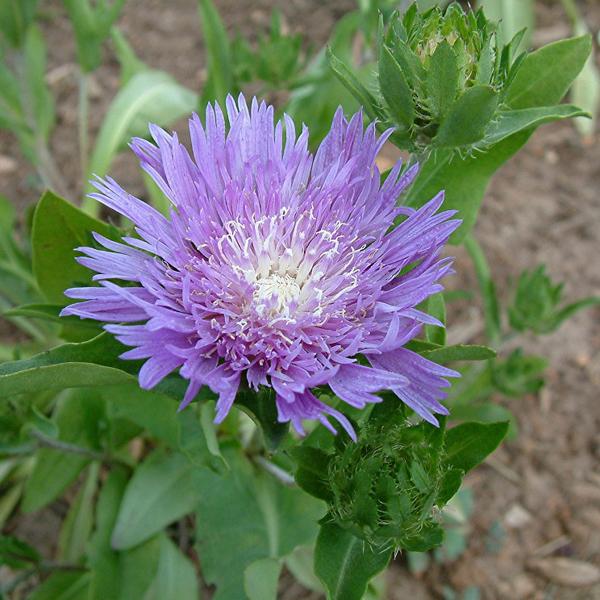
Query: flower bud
{"points": [[442, 76]]}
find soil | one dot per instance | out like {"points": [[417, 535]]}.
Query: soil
{"points": [[539, 498]]}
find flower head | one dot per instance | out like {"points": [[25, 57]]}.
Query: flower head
{"points": [[275, 267]]}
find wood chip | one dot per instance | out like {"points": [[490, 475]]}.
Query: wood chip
{"points": [[566, 571], [7, 164], [517, 517]]}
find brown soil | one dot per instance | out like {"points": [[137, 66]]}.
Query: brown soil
{"points": [[543, 490]]}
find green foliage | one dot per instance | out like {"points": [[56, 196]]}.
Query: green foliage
{"points": [[345, 563], [542, 80], [277, 61], [17, 554], [468, 444], [535, 306], [148, 97], [261, 578], [26, 103], [519, 374], [58, 229], [92, 22], [248, 516], [220, 68], [63, 586], [15, 18], [164, 488], [77, 526], [55, 470], [315, 101]]}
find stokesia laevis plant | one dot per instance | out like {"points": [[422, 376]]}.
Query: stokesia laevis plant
{"points": [[275, 267]]}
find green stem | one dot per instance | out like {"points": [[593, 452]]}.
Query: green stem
{"points": [[83, 115], [491, 310], [54, 444]]}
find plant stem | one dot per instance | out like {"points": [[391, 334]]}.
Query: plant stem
{"points": [[48, 442], [83, 114], [277, 472], [42, 567], [491, 311]]}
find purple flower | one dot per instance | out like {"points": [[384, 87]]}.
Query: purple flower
{"points": [[275, 267]]}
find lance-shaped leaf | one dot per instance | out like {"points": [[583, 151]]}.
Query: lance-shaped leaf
{"points": [[164, 488], [395, 89], [79, 417], [354, 85], [148, 97], [513, 121], [442, 79], [467, 119], [546, 74], [459, 352], [39, 99], [59, 228], [220, 80], [345, 564], [175, 575], [469, 444]]}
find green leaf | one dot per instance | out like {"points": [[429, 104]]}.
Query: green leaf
{"points": [[148, 97], [353, 84], [469, 444], [491, 309], [261, 407], [39, 99], [175, 577], [430, 536], [181, 431], [546, 74], [15, 19], [467, 120], [130, 64], [442, 79], [77, 526], [91, 24], [519, 374], [220, 80], [58, 228], [312, 472], [261, 578], [16, 553], [512, 16], [74, 329], [436, 306], [210, 432], [164, 488], [251, 512], [459, 352], [103, 560], [345, 564], [450, 484], [395, 89], [65, 585], [569, 310], [94, 363], [300, 564], [137, 568], [79, 417], [551, 70], [513, 121]]}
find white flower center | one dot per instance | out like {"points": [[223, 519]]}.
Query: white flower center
{"points": [[278, 290]]}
